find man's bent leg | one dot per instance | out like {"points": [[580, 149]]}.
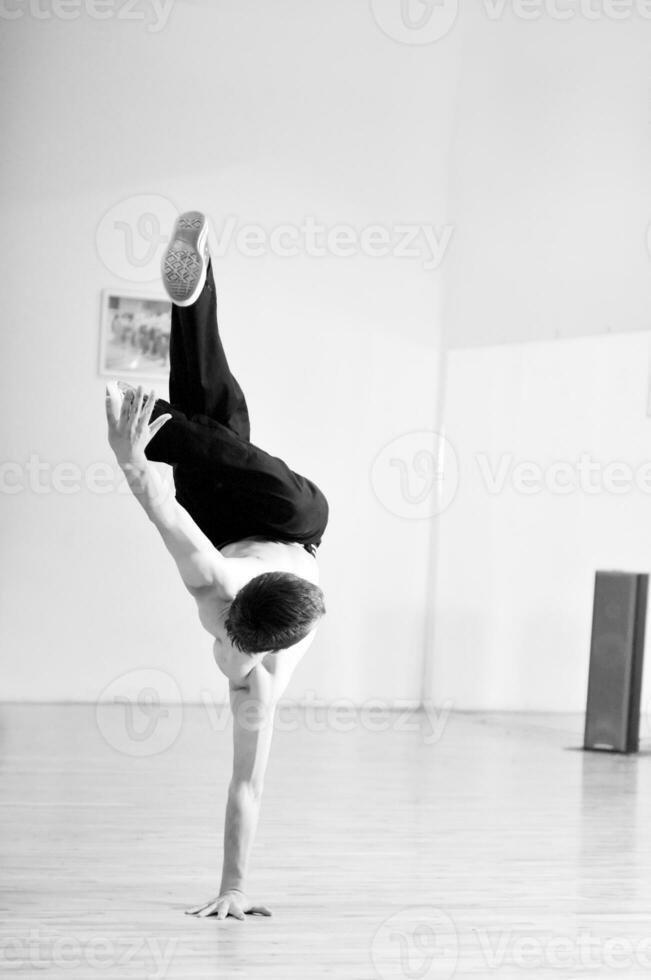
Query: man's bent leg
{"points": [[232, 488]]}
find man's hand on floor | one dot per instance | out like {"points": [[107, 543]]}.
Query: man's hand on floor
{"points": [[233, 903]]}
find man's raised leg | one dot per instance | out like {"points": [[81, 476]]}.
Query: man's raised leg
{"points": [[230, 487], [201, 382]]}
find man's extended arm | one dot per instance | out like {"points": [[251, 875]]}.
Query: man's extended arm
{"points": [[253, 718], [253, 701], [253, 704], [198, 561]]}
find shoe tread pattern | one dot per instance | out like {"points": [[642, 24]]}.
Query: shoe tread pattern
{"points": [[192, 221], [181, 271]]}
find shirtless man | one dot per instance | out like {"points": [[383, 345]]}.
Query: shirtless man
{"points": [[243, 531]]}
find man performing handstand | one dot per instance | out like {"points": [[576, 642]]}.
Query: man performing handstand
{"points": [[243, 531]]}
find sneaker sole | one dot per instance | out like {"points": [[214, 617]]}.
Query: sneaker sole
{"points": [[185, 261]]}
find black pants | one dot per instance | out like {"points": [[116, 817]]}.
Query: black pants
{"points": [[231, 488]]}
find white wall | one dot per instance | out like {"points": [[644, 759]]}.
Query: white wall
{"points": [[549, 188], [550, 199], [531, 138], [271, 113], [517, 551]]}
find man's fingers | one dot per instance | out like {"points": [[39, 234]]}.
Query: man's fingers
{"points": [[209, 909], [135, 414], [200, 908], [126, 408], [158, 424], [148, 409], [136, 399], [110, 410], [224, 907]]}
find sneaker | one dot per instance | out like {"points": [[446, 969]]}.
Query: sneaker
{"points": [[185, 261]]}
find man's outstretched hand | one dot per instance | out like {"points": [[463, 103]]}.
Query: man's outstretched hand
{"points": [[129, 430], [233, 903]]}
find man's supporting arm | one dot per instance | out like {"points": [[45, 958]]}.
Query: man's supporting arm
{"points": [[253, 703], [253, 700], [253, 718]]}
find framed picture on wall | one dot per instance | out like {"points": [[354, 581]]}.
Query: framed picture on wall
{"points": [[134, 335]]}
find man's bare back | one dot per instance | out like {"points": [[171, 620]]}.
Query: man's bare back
{"points": [[244, 561]]}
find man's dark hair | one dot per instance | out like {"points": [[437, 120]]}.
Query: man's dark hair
{"points": [[273, 611]]}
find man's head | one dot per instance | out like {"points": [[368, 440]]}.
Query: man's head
{"points": [[273, 611]]}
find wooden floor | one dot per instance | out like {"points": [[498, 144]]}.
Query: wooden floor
{"points": [[495, 851]]}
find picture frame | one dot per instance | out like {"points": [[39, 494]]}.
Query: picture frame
{"points": [[134, 335]]}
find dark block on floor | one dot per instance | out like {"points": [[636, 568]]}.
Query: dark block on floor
{"points": [[612, 719]]}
